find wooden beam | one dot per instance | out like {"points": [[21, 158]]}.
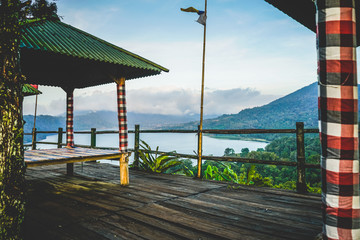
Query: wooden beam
{"points": [[71, 160], [120, 81], [124, 169]]}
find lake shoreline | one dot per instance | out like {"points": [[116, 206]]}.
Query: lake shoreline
{"points": [[185, 143], [230, 137]]}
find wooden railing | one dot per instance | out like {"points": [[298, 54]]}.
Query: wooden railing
{"points": [[300, 164]]}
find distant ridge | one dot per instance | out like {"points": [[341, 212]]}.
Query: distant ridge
{"points": [[299, 106], [85, 120]]}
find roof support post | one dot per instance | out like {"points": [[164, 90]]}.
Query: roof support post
{"points": [[121, 104], [123, 134], [70, 126], [338, 118], [70, 118]]}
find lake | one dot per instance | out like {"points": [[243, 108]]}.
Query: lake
{"points": [[185, 143]]}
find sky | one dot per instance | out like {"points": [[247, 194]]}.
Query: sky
{"points": [[254, 55]]}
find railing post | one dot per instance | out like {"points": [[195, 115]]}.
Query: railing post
{"points": [[60, 138], [301, 179], [93, 138], [199, 163], [92, 143], [136, 146], [33, 143]]}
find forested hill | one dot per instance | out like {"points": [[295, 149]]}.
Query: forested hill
{"points": [[101, 120], [299, 106], [86, 120]]}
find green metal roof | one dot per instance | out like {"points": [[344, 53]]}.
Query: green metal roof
{"points": [[57, 54], [58, 37], [29, 90]]}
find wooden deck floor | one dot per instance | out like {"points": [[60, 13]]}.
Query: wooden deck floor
{"points": [[92, 205]]}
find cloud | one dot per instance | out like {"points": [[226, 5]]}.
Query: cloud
{"points": [[230, 63], [253, 53], [234, 100], [170, 101]]}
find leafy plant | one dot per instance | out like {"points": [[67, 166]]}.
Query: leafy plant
{"points": [[245, 175], [213, 173], [187, 171], [155, 162]]}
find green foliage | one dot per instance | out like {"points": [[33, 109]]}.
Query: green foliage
{"points": [[316, 188], [227, 174], [229, 152], [244, 152], [285, 148], [262, 175], [43, 9], [290, 185], [187, 171], [12, 167], [246, 175], [159, 163]]}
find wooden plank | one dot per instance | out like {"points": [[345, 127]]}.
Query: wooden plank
{"points": [[130, 193], [34, 158], [204, 224], [78, 231], [66, 187], [141, 229], [70, 160], [43, 220], [258, 225], [91, 196], [93, 205], [35, 230], [45, 225], [280, 192], [109, 231], [58, 204], [102, 189], [274, 197], [245, 215], [179, 230], [266, 206]]}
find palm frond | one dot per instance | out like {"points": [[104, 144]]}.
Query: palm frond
{"points": [[156, 162]]}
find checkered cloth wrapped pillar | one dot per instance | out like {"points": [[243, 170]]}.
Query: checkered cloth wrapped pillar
{"points": [[70, 118], [121, 101], [338, 107]]}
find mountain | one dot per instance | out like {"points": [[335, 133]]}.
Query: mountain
{"points": [[299, 106], [85, 120]]}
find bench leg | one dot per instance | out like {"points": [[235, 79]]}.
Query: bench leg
{"points": [[70, 169], [124, 170]]}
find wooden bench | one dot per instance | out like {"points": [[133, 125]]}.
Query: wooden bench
{"points": [[44, 157]]}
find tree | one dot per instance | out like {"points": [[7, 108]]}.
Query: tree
{"points": [[44, 9], [12, 166], [244, 152], [229, 152]]}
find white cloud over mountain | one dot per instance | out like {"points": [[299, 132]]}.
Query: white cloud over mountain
{"points": [[174, 101]]}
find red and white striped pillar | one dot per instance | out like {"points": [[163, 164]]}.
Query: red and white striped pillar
{"points": [[123, 135], [70, 118], [121, 104], [338, 118]]}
